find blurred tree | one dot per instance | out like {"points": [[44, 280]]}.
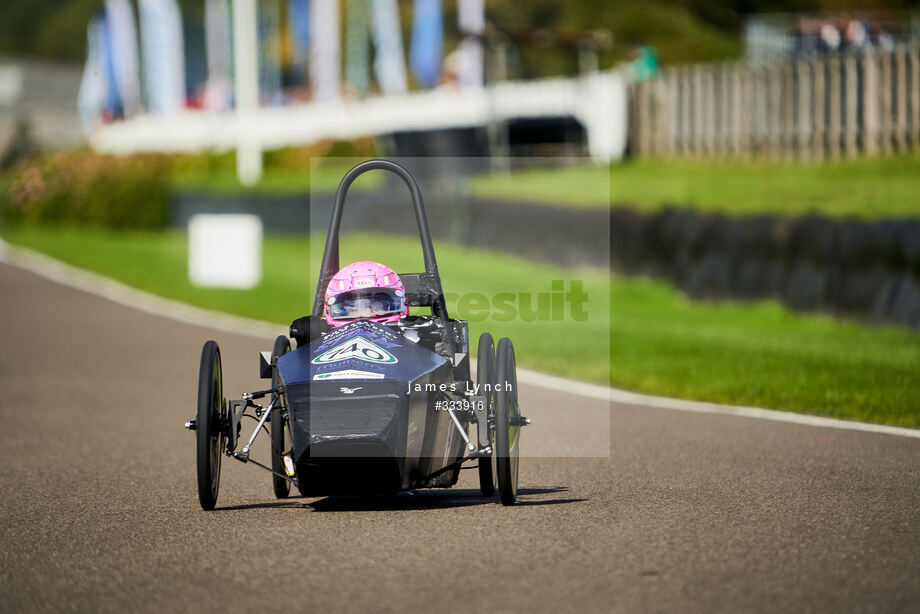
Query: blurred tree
{"points": [[56, 29], [21, 145], [46, 28], [672, 27], [681, 30]]}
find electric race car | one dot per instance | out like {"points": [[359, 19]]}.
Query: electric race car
{"points": [[372, 400]]}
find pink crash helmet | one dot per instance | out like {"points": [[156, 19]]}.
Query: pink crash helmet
{"points": [[365, 291]]}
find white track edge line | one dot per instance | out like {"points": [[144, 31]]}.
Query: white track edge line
{"points": [[625, 397], [123, 294]]}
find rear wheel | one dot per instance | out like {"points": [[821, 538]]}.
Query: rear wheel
{"points": [[281, 432], [485, 379], [507, 429], [210, 420]]}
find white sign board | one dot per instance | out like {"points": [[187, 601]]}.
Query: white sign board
{"points": [[10, 85], [225, 250]]}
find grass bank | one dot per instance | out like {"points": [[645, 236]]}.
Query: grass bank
{"points": [[287, 172], [640, 334], [867, 188]]}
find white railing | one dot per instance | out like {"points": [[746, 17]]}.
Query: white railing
{"points": [[597, 101]]}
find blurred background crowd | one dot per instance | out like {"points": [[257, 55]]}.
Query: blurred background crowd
{"points": [[164, 56]]}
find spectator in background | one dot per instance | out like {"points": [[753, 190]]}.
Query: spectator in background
{"points": [[885, 41], [829, 36], [643, 64], [450, 70], [856, 34], [880, 38], [807, 29]]}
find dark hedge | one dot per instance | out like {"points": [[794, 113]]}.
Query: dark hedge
{"points": [[83, 188]]}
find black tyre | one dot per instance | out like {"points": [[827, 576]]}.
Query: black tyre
{"points": [[485, 379], [211, 419], [507, 437], [281, 432]]}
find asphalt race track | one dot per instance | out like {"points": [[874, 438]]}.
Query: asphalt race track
{"points": [[689, 513]]}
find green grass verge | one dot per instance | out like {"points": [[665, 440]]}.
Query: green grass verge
{"points": [[662, 343], [865, 188], [869, 188], [217, 175]]}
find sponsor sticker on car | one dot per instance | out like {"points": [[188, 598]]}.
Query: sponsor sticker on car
{"points": [[348, 374]]}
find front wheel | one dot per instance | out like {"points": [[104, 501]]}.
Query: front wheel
{"points": [[507, 422], [485, 379], [281, 433], [210, 420]]}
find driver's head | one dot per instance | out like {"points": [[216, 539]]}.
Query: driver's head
{"points": [[365, 291]]}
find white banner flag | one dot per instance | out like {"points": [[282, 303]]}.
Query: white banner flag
{"points": [[218, 94], [270, 41], [471, 17], [92, 95], [163, 55], [123, 33], [389, 65], [325, 71]]}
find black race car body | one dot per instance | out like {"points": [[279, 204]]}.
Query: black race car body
{"points": [[365, 409], [369, 408]]}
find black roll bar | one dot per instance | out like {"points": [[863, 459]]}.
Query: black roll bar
{"points": [[422, 289]]}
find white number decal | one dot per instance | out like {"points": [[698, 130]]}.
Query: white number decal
{"points": [[359, 348]]}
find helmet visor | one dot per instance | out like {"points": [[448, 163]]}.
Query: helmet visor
{"points": [[366, 303]]}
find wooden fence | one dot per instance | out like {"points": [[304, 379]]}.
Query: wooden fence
{"points": [[836, 106]]}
